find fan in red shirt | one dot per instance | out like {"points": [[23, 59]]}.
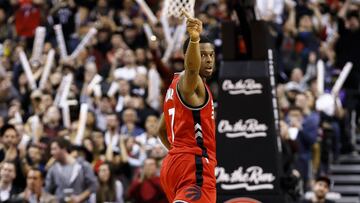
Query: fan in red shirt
{"points": [[146, 188], [27, 18], [187, 126]]}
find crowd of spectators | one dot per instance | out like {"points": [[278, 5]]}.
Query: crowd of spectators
{"points": [[315, 129], [119, 156]]}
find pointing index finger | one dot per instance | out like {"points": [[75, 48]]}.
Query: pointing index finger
{"points": [[186, 14]]}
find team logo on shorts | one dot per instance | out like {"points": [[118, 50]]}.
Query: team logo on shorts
{"points": [[193, 193]]}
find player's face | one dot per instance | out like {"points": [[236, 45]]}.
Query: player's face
{"points": [[207, 59]]}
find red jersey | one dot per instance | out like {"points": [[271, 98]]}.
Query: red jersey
{"points": [[190, 129]]}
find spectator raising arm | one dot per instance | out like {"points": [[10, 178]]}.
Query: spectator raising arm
{"points": [[344, 9], [290, 24]]}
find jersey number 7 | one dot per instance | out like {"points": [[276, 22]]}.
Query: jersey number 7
{"points": [[172, 115]]}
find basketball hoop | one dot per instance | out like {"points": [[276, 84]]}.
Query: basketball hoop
{"points": [[173, 7]]}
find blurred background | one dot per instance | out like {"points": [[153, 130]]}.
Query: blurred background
{"points": [[118, 149]]}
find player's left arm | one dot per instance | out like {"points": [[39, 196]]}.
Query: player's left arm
{"points": [[189, 82], [162, 132]]}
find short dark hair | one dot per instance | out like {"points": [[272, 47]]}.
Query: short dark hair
{"points": [[62, 143], [33, 145], [113, 113], [42, 175], [311, 80], [295, 108], [324, 179], [352, 14], [7, 127], [203, 39]]}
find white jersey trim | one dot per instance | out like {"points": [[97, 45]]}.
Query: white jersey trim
{"points": [[180, 201]]}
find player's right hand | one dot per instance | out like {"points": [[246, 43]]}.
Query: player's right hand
{"points": [[193, 26]]}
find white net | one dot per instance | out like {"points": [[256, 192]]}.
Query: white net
{"points": [[175, 34], [173, 7]]}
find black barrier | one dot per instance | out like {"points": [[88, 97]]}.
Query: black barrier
{"points": [[247, 141]]}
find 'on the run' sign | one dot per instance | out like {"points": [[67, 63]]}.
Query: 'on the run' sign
{"points": [[247, 142]]}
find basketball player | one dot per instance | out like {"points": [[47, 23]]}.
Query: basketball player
{"points": [[187, 126]]}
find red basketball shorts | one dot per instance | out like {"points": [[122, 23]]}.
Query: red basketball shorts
{"points": [[188, 178]]}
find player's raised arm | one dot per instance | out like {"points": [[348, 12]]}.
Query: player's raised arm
{"points": [[190, 80]]}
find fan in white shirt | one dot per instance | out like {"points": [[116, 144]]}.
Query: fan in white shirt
{"points": [[130, 68], [112, 136], [270, 10], [149, 139], [124, 94]]}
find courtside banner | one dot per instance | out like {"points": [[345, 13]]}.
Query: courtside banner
{"points": [[247, 142]]}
